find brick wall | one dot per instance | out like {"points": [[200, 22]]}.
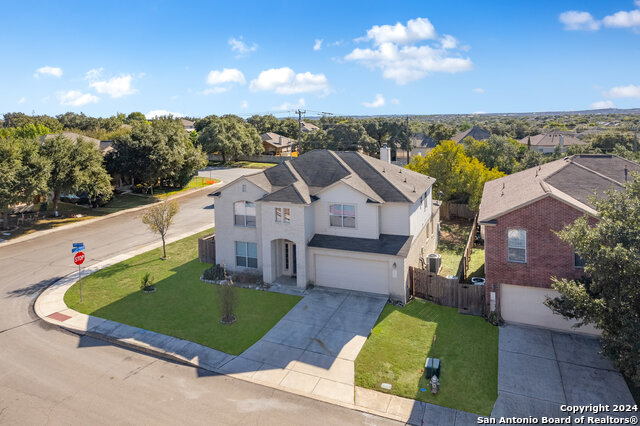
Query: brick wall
{"points": [[547, 254]]}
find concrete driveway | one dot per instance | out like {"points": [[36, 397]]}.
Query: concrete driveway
{"points": [[540, 370], [312, 349]]}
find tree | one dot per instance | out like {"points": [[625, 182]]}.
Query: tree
{"points": [[159, 218], [458, 177], [230, 136], [350, 136], [497, 151], [610, 297], [288, 127], [440, 131], [24, 173], [76, 166], [134, 117], [264, 123]]}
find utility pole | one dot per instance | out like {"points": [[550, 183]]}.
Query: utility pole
{"points": [[299, 128], [635, 140], [408, 140]]}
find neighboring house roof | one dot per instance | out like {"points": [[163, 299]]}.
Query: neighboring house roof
{"points": [[302, 179], [572, 180], [397, 245], [103, 146], [421, 140], [276, 140], [478, 133], [309, 127], [187, 124], [551, 140]]}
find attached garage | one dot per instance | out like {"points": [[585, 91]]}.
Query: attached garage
{"points": [[352, 274], [525, 305]]}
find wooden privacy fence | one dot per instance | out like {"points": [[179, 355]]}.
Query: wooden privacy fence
{"points": [[207, 249], [457, 210], [463, 268], [469, 299]]}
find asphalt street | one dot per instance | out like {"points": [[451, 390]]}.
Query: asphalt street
{"points": [[50, 376]]}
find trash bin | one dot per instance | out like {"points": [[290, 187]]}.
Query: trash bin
{"points": [[432, 367]]}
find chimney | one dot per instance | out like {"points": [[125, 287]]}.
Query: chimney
{"points": [[561, 144], [385, 154]]}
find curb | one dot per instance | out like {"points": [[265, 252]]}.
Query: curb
{"points": [[37, 234], [78, 325]]}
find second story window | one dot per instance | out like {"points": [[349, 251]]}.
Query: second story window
{"points": [[578, 262], [342, 215], [283, 215], [244, 214], [517, 245]]}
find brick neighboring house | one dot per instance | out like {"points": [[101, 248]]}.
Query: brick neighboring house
{"points": [[520, 214]]}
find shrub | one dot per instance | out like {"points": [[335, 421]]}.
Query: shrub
{"points": [[247, 278], [146, 282], [215, 273]]}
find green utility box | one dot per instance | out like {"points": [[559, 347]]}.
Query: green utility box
{"points": [[432, 367]]}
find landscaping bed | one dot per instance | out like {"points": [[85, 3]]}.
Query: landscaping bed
{"points": [[403, 338], [182, 305]]}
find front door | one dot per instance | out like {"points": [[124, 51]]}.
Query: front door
{"points": [[289, 257]]}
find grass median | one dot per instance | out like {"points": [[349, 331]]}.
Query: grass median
{"points": [[182, 306]]}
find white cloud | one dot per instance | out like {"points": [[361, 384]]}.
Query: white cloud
{"points": [[244, 105], [116, 87], [52, 71], [623, 19], [629, 91], [285, 82], [215, 90], [22, 100], [409, 63], [448, 41], [237, 45], [415, 30], [76, 98], [227, 75], [575, 20], [377, 103], [317, 45], [602, 105], [93, 74], [288, 105], [478, 90], [162, 113], [395, 101]]}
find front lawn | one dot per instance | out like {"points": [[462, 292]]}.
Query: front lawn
{"points": [[242, 164], [403, 337], [195, 183], [182, 306]]}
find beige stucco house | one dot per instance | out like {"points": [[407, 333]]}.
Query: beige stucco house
{"points": [[334, 219]]}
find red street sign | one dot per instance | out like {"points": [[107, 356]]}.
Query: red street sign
{"points": [[78, 258]]}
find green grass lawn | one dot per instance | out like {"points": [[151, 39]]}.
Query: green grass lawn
{"points": [[182, 306], [195, 183], [454, 234], [242, 164], [403, 337]]}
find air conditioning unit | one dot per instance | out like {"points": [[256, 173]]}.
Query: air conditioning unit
{"points": [[433, 263]]}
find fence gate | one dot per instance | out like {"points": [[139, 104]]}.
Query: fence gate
{"points": [[207, 249], [470, 299]]}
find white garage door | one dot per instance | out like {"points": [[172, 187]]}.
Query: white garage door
{"points": [[352, 274], [524, 305]]}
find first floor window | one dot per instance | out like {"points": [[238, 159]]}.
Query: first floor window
{"points": [[246, 254], [578, 262], [517, 245], [342, 215], [244, 214]]}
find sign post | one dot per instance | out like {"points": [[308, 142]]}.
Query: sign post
{"points": [[78, 259]]}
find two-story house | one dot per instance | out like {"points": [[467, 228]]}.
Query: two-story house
{"points": [[334, 219], [520, 215]]}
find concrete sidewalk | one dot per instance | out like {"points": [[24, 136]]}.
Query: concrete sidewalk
{"points": [[310, 352]]}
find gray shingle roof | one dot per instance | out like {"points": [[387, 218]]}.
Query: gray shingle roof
{"points": [[276, 139], [478, 133], [301, 179], [572, 180], [422, 140], [103, 146], [551, 139], [396, 245]]}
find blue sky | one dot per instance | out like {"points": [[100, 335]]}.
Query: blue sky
{"points": [[374, 57]]}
